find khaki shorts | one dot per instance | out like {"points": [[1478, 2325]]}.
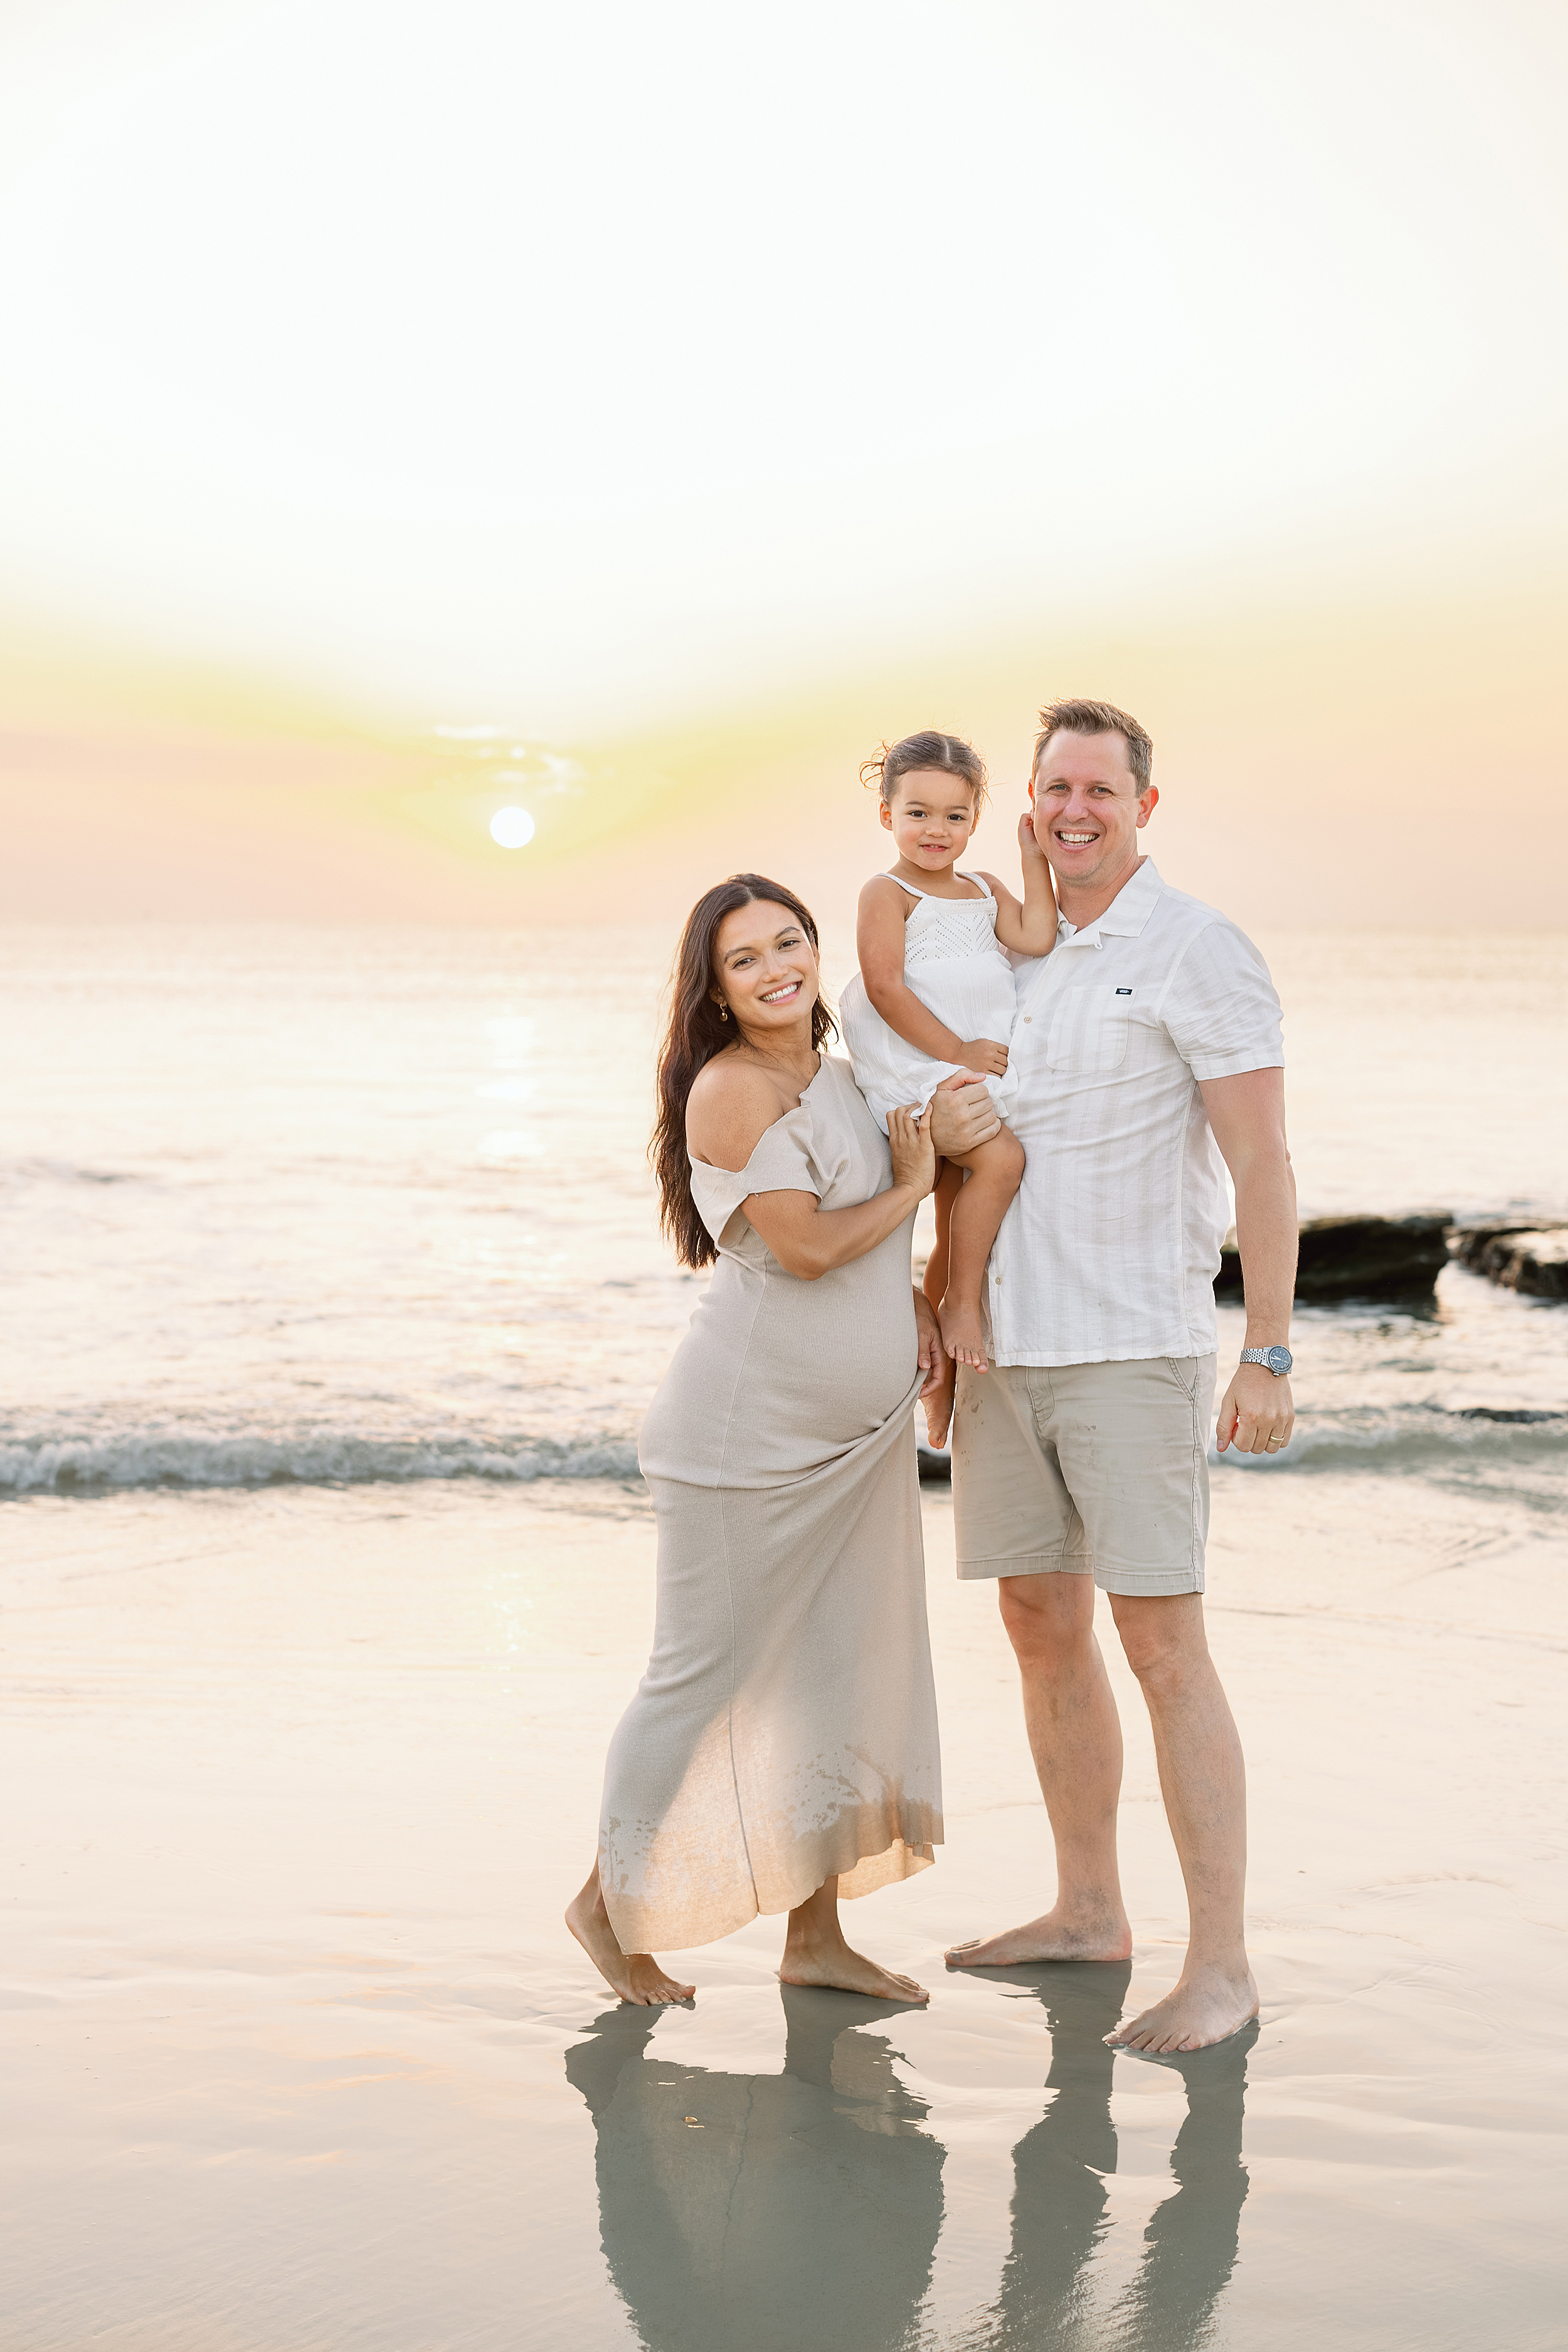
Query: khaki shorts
{"points": [[1094, 1470]]}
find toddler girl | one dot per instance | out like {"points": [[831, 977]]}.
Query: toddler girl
{"points": [[934, 996]]}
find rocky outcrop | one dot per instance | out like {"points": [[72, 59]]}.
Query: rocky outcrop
{"points": [[1393, 1258], [1356, 1257], [1530, 1258]]}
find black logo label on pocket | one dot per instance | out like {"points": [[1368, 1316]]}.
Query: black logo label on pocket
{"points": [[1124, 992]]}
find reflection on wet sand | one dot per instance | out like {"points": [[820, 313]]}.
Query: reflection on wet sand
{"points": [[1190, 2243], [802, 2209], [774, 2211], [1058, 2195], [1059, 2199]]}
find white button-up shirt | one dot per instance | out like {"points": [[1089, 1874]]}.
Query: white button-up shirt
{"points": [[1111, 1248]]}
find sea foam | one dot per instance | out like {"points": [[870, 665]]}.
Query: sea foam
{"points": [[175, 1457], [1412, 1438]]}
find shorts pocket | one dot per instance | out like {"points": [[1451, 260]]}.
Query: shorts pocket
{"points": [[1089, 1032]]}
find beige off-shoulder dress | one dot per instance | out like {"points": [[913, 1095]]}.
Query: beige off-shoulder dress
{"points": [[785, 1729]]}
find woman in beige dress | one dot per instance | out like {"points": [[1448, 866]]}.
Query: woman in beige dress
{"points": [[781, 1751]]}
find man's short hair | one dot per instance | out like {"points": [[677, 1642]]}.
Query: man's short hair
{"points": [[1079, 717]]}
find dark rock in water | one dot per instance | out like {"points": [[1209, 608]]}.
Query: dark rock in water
{"points": [[1356, 1257], [1530, 1258], [1504, 1413], [933, 1464]]}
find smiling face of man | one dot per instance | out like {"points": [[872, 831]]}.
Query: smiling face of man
{"points": [[1088, 810]]}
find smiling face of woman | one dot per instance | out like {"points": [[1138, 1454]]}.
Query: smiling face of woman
{"points": [[764, 969]]}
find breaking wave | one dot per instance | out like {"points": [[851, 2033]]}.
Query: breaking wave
{"points": [[169, 1454], [1413, 1437], [315, 1457]]}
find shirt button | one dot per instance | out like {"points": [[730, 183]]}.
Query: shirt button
{"points": [[1028, 1016]]}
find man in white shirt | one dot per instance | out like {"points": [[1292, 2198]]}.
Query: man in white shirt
{"points": [[1150, 1050]]}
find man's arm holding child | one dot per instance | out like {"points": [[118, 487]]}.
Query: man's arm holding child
{"points": [[961, 1116]]}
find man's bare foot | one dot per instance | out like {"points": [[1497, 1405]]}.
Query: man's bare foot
{"points": [[1085, 1936], [963, 1332], [1208, 2005], [637, 1976], [834, 1966]]}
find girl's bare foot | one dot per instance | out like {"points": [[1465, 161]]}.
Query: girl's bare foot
{"points": [[637, 1976], [963, 1333]]}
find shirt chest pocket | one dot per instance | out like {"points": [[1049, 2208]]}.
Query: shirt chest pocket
{"points": [[1088, 1031]]}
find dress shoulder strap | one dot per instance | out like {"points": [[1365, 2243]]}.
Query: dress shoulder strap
{"points": [[978, 880], [909, 887]]}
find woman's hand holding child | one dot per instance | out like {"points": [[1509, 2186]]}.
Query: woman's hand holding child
{"points": [[914, 1154], [936, 1387]]}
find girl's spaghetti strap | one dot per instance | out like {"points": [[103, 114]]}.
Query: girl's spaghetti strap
{"points": [[979, 884]]}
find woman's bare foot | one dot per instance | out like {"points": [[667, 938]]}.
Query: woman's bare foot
{"points": [[636, 1976], [963, 1332], [847, 1971], [816, 1953], [1208, 2005], [1086, 1935]]}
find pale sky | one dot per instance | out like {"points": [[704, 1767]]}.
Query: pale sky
{"points": [[579, 367]]}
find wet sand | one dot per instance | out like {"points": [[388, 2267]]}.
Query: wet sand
{"points": [[300, 2056]]}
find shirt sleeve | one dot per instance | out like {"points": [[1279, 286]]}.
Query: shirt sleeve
{"points": [[1220, 1008]]}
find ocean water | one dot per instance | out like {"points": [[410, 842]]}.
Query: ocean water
{"points": [[288, 1204]]}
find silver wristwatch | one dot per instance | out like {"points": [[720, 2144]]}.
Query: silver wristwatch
{"points": [[1277, 1361]]}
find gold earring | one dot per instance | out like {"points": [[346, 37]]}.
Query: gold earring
{"points": [[723, 1010]]}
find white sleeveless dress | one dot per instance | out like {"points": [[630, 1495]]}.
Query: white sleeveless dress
{"points": [[952, 964]]}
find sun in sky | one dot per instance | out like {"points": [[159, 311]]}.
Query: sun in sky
{"points": [[702, 398], [511, 828]]}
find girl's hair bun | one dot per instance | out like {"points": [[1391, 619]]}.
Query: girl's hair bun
{"points": [[948, 754]]}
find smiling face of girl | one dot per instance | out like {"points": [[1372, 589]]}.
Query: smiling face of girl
{"points": [[764, 970], [931, 816]]}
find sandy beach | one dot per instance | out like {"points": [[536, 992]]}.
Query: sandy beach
{"points": [[301, 2056]]}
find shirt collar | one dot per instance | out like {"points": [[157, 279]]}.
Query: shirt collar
{"points": [[1124, 917]]}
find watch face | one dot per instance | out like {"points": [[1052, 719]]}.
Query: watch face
{"points": [[1280, 1361]]}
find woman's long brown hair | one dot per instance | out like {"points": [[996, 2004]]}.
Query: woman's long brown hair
{"points": [[693, 1035]]}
